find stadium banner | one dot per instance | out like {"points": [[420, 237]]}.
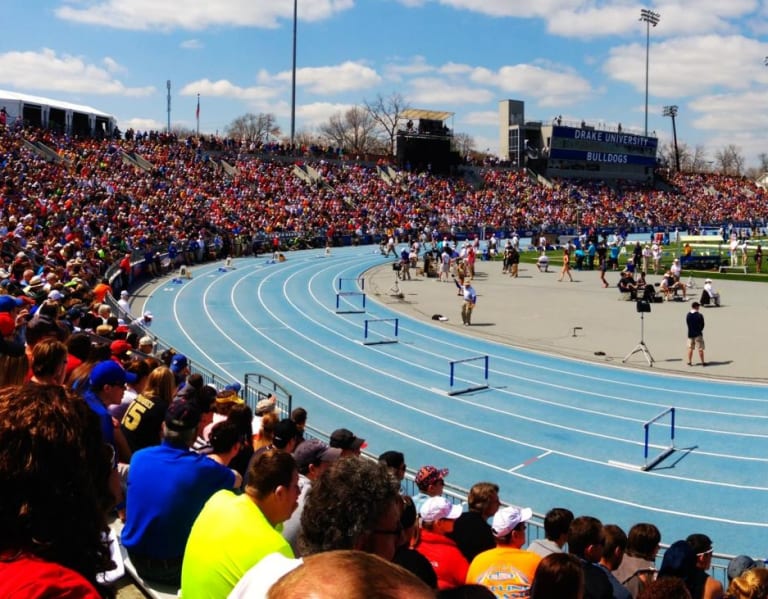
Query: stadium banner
{"points": [[607, 147]]}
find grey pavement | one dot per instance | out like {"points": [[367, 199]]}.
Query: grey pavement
{"points": [[583, 320]]}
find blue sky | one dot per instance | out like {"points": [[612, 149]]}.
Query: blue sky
{"points": [[582, 59]]}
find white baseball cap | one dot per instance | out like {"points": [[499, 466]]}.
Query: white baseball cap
{"points": [[439, 508], [508, 518]]}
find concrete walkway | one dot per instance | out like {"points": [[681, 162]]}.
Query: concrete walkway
{"points": [[586, 321]]}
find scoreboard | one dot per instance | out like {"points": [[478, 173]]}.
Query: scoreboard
{"points": [[589, 149]]}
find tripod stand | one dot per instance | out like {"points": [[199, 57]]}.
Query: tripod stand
{"points": [[641, 346], [395, 289]]}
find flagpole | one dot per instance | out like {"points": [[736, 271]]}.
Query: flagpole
{"points": [[197, 115]]}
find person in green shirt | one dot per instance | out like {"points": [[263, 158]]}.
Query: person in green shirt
{"points": [[234, 532]]}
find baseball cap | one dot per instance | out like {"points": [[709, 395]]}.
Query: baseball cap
{"points": [[707, 280], [439, 508], [228, 396], [123, 293], [285, 430], [110, 373], [146, 340], [56, 295], [313, 450], [266, 405], [120, 347], [178, 363], [429, 475], [233, 387], [345, 439], [740, 564], [508, 518], [7, 324], [182, 415], [8, 303]]}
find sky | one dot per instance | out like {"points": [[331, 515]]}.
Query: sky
{"points": [[580, 59]]}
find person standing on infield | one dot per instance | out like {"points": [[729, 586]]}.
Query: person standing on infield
{"points": [[695, 322], [470, 299]]}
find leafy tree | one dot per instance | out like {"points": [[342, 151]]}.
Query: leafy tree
{"points": [[386, 113], [254, 127]]}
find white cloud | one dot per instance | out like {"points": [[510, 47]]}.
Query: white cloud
{"points": [[590, 19], [415, 66], [112, 65], [45, 70], [438, 92], [688, 66], [141, 124], [319, 112], [482, 118], [731, 112], [547, 86], [194, 15], [226, 89], [192, 44], [345, 77]]}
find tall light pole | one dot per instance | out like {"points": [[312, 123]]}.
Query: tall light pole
{"points": [[650, 18], [293, 76], [671, 111], [168, 86]]}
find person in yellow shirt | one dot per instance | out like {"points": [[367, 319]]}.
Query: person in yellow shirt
{"points": [[234, 532], [507, 570]]}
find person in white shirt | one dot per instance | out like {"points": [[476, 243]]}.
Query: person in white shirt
{"points": [[714, 296], [123, 302]]}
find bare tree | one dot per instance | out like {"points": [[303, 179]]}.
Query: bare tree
{"points": [[463, 143], [386, 113], [730, 160], [353, 131], [182, 132], [698, 161], [763, 166], [254, 127]]}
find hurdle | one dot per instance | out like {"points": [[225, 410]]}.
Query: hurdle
{"points": [[352, 310], [381, 340], [472, 387], [359, 283], [646, 444]]}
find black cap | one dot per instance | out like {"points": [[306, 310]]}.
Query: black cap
{"points": [[345, 439], [285, 431], [182, 415]]}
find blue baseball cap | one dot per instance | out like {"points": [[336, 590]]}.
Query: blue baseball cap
{"points": [[8, 303], [178, 363], [110, 372]]}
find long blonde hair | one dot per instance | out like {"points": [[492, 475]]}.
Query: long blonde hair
{"points": [[161, 385]]}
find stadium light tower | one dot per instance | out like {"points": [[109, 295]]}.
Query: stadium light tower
{"points": [[293, 76], [671, 111], [650, 18]]}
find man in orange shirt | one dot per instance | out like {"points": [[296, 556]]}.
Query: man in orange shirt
{"points": [[507, 570]]}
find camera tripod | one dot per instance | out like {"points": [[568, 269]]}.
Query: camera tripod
{"points": [[641, 346]]}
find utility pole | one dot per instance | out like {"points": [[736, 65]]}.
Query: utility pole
{"points": [[168, 85]]}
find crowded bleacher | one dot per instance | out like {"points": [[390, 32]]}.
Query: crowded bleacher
{"points": [[212, 494]]}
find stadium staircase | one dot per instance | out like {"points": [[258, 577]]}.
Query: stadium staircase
{"points": [[45, 152], [138, 161], [232, 171]]}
